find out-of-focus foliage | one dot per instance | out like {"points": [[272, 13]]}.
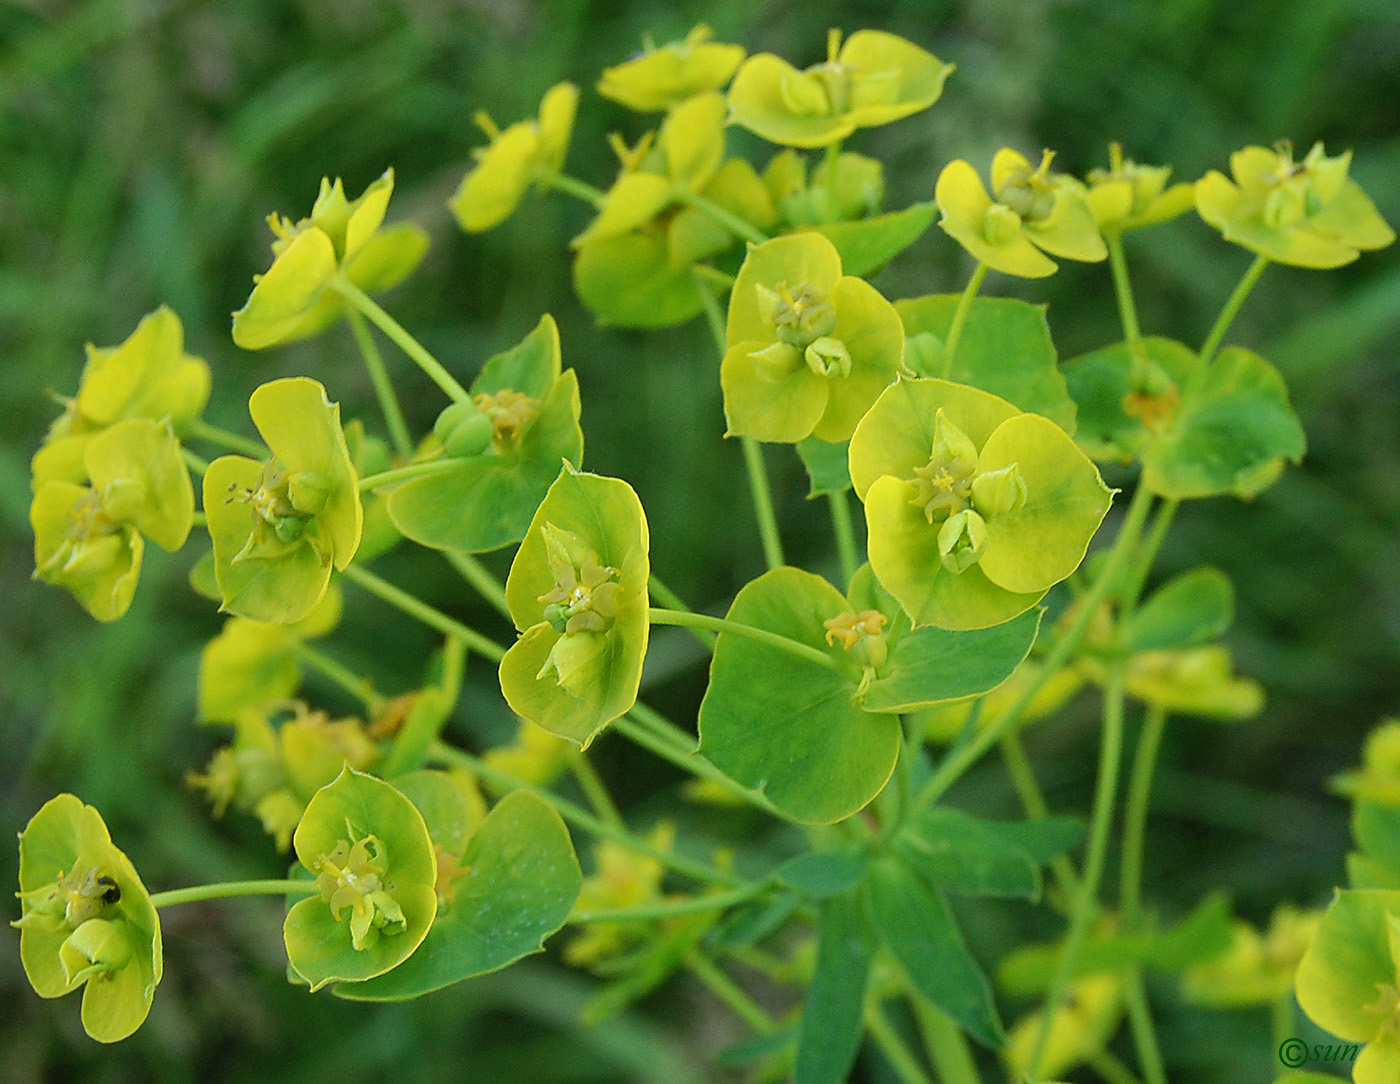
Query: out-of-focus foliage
{"points": [[142, 142]]}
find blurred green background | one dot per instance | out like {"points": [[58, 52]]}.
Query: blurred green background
{"points": [[143, 143]]}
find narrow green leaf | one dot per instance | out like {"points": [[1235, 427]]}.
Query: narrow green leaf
{"points": [[867, 244], [832, 1020], [826, 463], [1189, 609], [825, 873], [962, 853]]}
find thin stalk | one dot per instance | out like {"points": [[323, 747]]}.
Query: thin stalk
{"points": [[902, 1060], [1231, 309], [357, 686], [673, 601], [962, 757], [728, 219], [421, 611], [714, 275], [230, 890], [574, 187], [1147, 554], [945, 1043], [401, 338], [1135, 816], [1144, 1032], [831, 174], [1281, 1019], [728, 991], [654, 912], [593, 789], [197, 465], [955, 329], [763, 504], [580, 817], [689, 761], [234, 442], [200, 519], [409, 472], [709, 304], [723, 624], [1100, 824], [1122, 287], [662, 727], [845, 534], [476, 574], [383, 386], [1111, 1069], [1018, 766]]}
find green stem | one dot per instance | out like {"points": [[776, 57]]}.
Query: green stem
{"points": [[1231, 309], [231, 889], [383, 386], [728, 219], [202, 430], [1122, 287], [946, 1045], [1018, 765], [195, 463], [728, 991], [1100, 824], [902, 1060], [950, 344], [723, 624], [593, 789], [831, 174], [714, 275], [357, 686], [1281, 1020], [409, 472], [674, 602], [476, 574], [1144, 1033], [763, 504], [1135, 816], [962, 757], [688, 760], [401, 338], [1147, 553], [1111, 1069], [200, 520], [690, 905], [709, 304], [574, 187], [845, 534], [577, 815], [416, 608]]}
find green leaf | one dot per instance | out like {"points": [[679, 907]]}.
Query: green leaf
{"points": [[833, 1018], [825, 873], [753, 922], [919, 930], [868, 244], [826, 464], [1005, 349], [1099, 383], [1376, 829], [965, 854], [628, 281], [1349, 957], [1231, 434], [1189, 609], [522, 880], [778, 722]]}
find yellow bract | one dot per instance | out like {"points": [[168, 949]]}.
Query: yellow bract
{"points": [[662, 78]]}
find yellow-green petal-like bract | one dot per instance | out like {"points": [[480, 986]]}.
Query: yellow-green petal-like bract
{"points": [[663, 77]]}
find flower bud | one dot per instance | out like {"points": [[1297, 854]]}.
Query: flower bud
{"points": [[828, 357], [99, 945], [1000, 491]]}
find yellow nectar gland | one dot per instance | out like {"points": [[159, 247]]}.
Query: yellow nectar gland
{"points": [[81, 894], [353, 877], [800, 315], [509, 411], [1386, 1006], [582, 601], [448, 872], [862, 635]]}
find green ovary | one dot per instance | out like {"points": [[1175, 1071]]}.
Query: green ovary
{"points": [[800, 315], [353, 876]]}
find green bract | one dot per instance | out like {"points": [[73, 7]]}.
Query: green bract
{"points": [[871, 79], [1349, 979], [501, 890], [809, 349], [147, 376], [822, 741], [89, 538], [577, 592], [1308, 213], [1128, 195], [634, 260], [293, 299], [507, 444], [974, 510], [1029, 209], [526, 153], [662, 78], [279, 527], [370, 852], [86, 919]]}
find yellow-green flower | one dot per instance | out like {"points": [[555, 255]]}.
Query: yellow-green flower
{"points": [[1307, 213], [1029, 209], [293, 299], [1128, 195], [662, 78], [1257, 969], [278, 527], [148, 376], [810, 349], [86, 919], [1378, 779], [871, 79], [524, 154], [89, 537]]}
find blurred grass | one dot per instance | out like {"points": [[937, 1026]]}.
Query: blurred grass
{"points": [[142, 144]]}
